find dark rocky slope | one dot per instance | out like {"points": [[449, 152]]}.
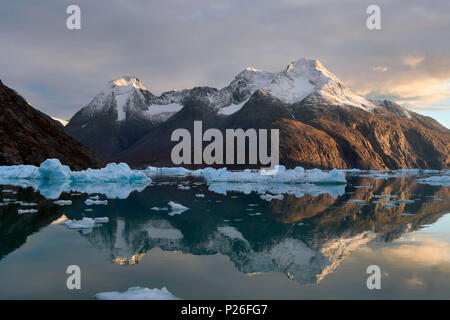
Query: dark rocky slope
{"points": [[28, 136]]}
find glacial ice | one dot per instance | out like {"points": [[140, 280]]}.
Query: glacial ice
{"points": [[63, 202], [22, 211], [176, 208], [443, 180], [52, 178], [138, 293], [90, 202], [278, 175], [85, 223]]}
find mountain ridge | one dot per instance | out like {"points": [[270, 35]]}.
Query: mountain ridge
{"points": [[303, 96]]}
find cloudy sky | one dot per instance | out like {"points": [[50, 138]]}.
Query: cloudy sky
{"points": [[175, 44]]}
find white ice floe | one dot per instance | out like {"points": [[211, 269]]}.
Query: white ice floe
{"points": [[9, 191], [85, 223], [22, 211], [176, 208], [199, 195], [436, 180], [138, 293], [52, 178], [270, 197], [278, 175], [356, 201], [63, 202], [90, 202], [26, 204], [168, 172]]}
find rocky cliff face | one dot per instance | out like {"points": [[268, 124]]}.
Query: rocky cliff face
{"points": [[322, 123], [28, 136]]}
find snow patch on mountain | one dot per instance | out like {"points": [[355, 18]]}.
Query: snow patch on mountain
{"points": [[307, 76]]}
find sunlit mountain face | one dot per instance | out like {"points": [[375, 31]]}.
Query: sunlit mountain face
{"points": [[305, 238]]}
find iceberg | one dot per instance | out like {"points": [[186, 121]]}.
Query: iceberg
{"points": [[278, 175], [52, 178], [85, 223], [26, 211], [63, 202], [168, 172], [443, 181], [90, 202], [176, 208], [138, 293]]}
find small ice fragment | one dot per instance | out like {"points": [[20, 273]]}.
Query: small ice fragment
{"points": [[20, 211], [176, 208], [91, 202], [63, 202], [269, 197], [101, 220]]}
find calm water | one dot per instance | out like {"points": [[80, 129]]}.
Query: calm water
{"points": [[316, 242]]}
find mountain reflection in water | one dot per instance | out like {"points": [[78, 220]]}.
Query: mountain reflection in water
{"points": [[305, 235]]}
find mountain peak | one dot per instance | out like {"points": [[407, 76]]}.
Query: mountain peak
{"points": [[305, 77], [251, 69], [127, 81]]}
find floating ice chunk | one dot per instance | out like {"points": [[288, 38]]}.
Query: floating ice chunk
{"points": [[176, 208], [90, 202], [94, 197], [181, 187], [52, 169], [111, 173], [9, 191], [85, 223], [269, 197], [138, 293], [63, 202], [405, 201], [173, 172], [278, 175], [26, 204], [390, 204], [199, 195], [52, 178], [436, 180], [356, 201], [20, 211]]}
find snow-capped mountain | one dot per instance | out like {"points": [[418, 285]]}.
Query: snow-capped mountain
{"points": [[127, 98], [322, 122], [306, 77]]}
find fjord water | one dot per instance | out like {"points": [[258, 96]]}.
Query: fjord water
{"points": [[315, 242]]}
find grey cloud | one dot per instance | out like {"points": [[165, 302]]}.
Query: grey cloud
{"points": [[184, 43]]}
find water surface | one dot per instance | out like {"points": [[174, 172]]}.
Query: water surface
{"points": [[316, 241]]}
